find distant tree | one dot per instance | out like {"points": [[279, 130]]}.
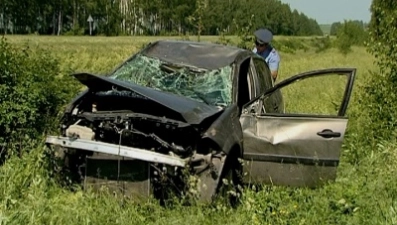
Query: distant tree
{"points": [[350, 33], [155, 17], [334, 28]]}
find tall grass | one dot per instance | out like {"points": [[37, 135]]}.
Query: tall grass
{"points": [[364, 192]]}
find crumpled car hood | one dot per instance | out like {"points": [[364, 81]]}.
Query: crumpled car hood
{"points": [[193, 112]]}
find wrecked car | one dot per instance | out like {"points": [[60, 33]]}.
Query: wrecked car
{"points": [[202, 109]]}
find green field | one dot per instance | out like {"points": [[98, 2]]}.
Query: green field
{"points": [[364, 192]]}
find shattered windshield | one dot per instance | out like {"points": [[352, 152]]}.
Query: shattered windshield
{"points": [[212, 87]]}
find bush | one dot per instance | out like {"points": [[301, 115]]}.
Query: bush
{"points": [[290, 45], [350, 33], [377, 98], [32, 92], [322, 44], [245, 34], [223, 40]]}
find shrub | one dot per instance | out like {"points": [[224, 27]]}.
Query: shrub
{"points": [[350, 33], [32, 91], [321, 44], [223, 40], [245, 34], [377, 98], [290, 45]]}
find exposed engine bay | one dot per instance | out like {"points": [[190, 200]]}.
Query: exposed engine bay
{"points": [[118, 118]]}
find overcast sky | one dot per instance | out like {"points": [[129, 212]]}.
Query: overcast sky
{"points": [[329, 11]]}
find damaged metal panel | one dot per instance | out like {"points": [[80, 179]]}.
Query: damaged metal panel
{"points": [[226, 131], [118, 150], [189, 110], [285, 149], [296, 136]]}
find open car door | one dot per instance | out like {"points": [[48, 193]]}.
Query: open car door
{"points": [[300, 145]]}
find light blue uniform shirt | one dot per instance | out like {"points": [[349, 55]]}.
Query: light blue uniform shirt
{"points": [[273, 59]]}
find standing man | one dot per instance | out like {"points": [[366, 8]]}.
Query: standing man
{"points": [[264, 49]]}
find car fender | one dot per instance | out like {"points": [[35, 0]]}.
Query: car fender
{"points": [[226, 132]]}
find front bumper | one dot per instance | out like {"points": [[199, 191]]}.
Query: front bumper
{"points": [[116, 150]]}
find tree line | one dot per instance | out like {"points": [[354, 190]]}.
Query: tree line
{"points": [[358, 24], [154, 17]]}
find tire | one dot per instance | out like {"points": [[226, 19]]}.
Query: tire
{"points": [[230, 185]]}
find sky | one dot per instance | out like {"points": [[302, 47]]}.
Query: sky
{"points": [[329, 11]]}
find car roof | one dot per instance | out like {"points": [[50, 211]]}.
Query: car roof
{"points": [[203, 55]]}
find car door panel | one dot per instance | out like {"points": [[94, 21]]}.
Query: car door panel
{"points": [[290, 144], [294, 149]]}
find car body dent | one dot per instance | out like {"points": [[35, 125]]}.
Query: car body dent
{"points": [[226, 131]]}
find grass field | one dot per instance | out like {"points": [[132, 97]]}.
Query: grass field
{"points": [[364, 193]]}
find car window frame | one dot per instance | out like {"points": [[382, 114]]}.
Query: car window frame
{"points": [[350, 73], [260, 60], [268, 106]]}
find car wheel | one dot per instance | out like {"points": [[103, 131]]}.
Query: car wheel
{"points": [[230, 184], [223, 181]]}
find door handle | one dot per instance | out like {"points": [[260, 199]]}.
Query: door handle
{"points": [[327, 133]]}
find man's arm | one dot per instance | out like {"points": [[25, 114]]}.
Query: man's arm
{"points": [[274, 74], [274, 63]]}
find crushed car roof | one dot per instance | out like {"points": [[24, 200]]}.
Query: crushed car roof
{"points": [[203, 55]]}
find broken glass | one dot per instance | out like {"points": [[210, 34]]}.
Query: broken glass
{"points": [[213, 87]]}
